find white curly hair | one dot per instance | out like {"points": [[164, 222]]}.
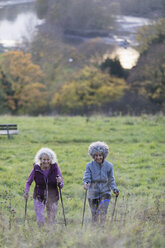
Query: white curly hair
{"points": [[52, 156], [98, 146]]}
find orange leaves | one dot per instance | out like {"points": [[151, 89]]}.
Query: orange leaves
{"points": [[22, 82], [90, 87]]}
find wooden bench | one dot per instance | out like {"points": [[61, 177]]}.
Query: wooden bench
{"points": [[7, 129]]}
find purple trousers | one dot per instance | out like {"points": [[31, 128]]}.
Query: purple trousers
{"points": [[39, 208]]}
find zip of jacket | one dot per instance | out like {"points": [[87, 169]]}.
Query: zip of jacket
{"points": [[46, 183]]}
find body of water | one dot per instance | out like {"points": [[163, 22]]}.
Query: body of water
{"points": [[18, 22], [124, 40]]}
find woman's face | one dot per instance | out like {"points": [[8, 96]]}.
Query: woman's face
{"points": [[45, 162], [98, 157]]}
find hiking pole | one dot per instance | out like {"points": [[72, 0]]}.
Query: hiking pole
{"points": [[114, 208], [62, 204], [84, 207], [59, 186], [25, 210]]}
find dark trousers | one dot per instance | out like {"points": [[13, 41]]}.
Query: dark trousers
{"points": [[99, 208]]}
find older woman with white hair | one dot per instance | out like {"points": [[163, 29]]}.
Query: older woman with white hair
{"points": [[99, 180], [47, 176]]}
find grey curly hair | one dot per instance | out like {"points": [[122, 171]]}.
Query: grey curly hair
{"points": [[52, 156], [98, 147]]}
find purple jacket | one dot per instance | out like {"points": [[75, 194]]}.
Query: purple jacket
{"points": [[45, 187]]}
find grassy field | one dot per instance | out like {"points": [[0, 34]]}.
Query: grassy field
{"points": [[137, 151]]}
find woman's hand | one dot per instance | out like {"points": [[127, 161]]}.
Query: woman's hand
{"points": [[59, 179], [26, 195], [86, 186], [116, 192]]}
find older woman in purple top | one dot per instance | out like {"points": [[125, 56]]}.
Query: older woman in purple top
{"points": [[46, 174]]}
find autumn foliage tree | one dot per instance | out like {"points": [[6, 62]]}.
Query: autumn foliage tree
{"points": [[22, 83], [147, 79], [150, 35], [90, 90]]}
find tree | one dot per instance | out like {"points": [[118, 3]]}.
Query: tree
{"points": [[147, 78], [22, 83], [113, 66], [151, 34], [76, 15], [2, 99], [90, 90], [41, 8]]}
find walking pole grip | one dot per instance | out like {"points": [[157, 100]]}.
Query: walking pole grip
{"points": [[58, 184]]}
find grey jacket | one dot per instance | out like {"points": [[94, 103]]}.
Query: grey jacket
{"points": [[100, 179]]}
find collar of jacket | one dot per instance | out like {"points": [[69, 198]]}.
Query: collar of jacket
{"points": [[100, 165], [38, 168]]}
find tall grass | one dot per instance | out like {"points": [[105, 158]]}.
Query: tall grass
{"points": [[137, 146]]}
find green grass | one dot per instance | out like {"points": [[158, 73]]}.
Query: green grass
{"points": [[137, 146]]}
